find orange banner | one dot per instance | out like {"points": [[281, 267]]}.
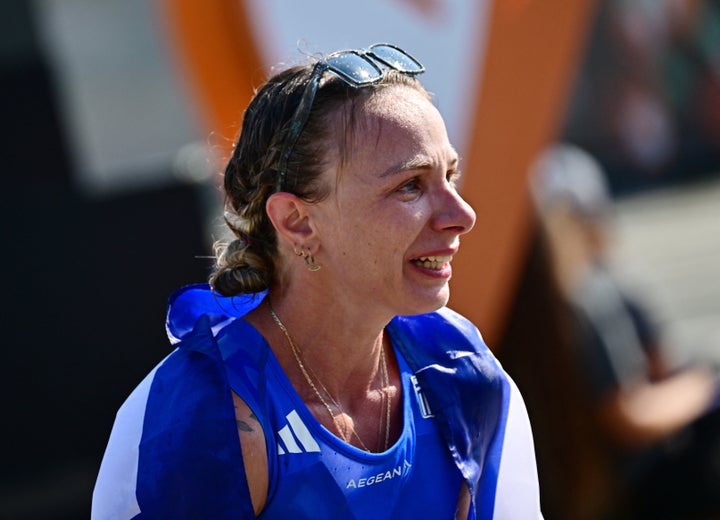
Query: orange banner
{"points": [[531, 55]]}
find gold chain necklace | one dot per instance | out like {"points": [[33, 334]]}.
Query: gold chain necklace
{"points": [[386, 404], [386, 398]]}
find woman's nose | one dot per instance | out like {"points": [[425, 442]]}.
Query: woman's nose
{"points": [[454, 213]]}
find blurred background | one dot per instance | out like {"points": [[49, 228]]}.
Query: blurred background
{"points": [[112, 151], [646, 105]]}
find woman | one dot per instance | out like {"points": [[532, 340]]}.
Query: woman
{"points": [[341, 195]]}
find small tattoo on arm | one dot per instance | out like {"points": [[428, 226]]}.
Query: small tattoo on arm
{"points": [[243, 426]]}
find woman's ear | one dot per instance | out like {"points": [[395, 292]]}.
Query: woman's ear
{"points": [[288, 214]]}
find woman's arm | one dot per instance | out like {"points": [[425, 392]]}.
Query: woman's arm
{"points": [[254, 452], [649, 412], [463, 507]]}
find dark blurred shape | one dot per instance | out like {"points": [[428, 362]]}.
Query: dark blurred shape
{"points": [[83, 322], [538, 350], [33, 145], [86, 282], [647, 98]]}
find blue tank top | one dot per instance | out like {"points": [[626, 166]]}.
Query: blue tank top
{"points": [[315, 475]]}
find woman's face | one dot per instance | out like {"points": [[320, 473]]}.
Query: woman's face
{"points": [[392, 222]]}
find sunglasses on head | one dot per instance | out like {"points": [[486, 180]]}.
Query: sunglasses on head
{"points": [[357, 68]]}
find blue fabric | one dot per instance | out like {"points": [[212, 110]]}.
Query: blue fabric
{"points": [[202, 466], [188, 304], [190, 462], [313, 474], [467, 392]]}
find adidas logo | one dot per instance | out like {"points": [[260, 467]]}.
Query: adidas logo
{"points": [[295, 437]]}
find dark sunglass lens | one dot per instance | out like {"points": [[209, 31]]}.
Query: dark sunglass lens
{"points": [[397, 59], [355, 68]]}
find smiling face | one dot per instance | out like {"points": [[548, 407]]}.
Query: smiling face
{"points": [[391, 224]]}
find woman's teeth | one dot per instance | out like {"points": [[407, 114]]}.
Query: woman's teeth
{"points": [[432, 262]]}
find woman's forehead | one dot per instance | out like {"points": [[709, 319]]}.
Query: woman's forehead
{"points": [[403, 114], [395, 102], [394, 126]]}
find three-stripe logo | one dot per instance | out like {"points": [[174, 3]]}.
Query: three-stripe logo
{"points": [[295, 437]]}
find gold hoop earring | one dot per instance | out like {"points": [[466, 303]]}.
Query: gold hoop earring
{"points": [[298, 253]]}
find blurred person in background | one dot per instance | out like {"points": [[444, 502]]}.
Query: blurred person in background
{"points": [[660, 422]]}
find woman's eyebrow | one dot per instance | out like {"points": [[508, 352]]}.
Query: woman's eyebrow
{"points": [[420, 162]]}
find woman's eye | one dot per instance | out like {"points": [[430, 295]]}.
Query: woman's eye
{"points": [[452, 177], [411, 186]]}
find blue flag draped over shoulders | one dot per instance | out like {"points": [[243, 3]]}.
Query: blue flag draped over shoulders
{"points": [[190, 438], [174, 451]]}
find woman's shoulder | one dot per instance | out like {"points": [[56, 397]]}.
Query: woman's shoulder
{"points": [[444, 329], [177, 427], [189, 304]]}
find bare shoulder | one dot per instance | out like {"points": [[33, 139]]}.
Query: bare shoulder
{"points": [[252, 444]]}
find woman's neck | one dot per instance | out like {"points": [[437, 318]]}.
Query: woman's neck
{"points": [[343, 350]]}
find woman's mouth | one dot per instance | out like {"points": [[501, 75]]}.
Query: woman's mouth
{"points": [[432, 262]]}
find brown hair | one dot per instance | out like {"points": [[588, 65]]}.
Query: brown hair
{"points": [[247, 263]]}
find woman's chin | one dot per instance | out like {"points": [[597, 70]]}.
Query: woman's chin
{"points": [[430, 302]]}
